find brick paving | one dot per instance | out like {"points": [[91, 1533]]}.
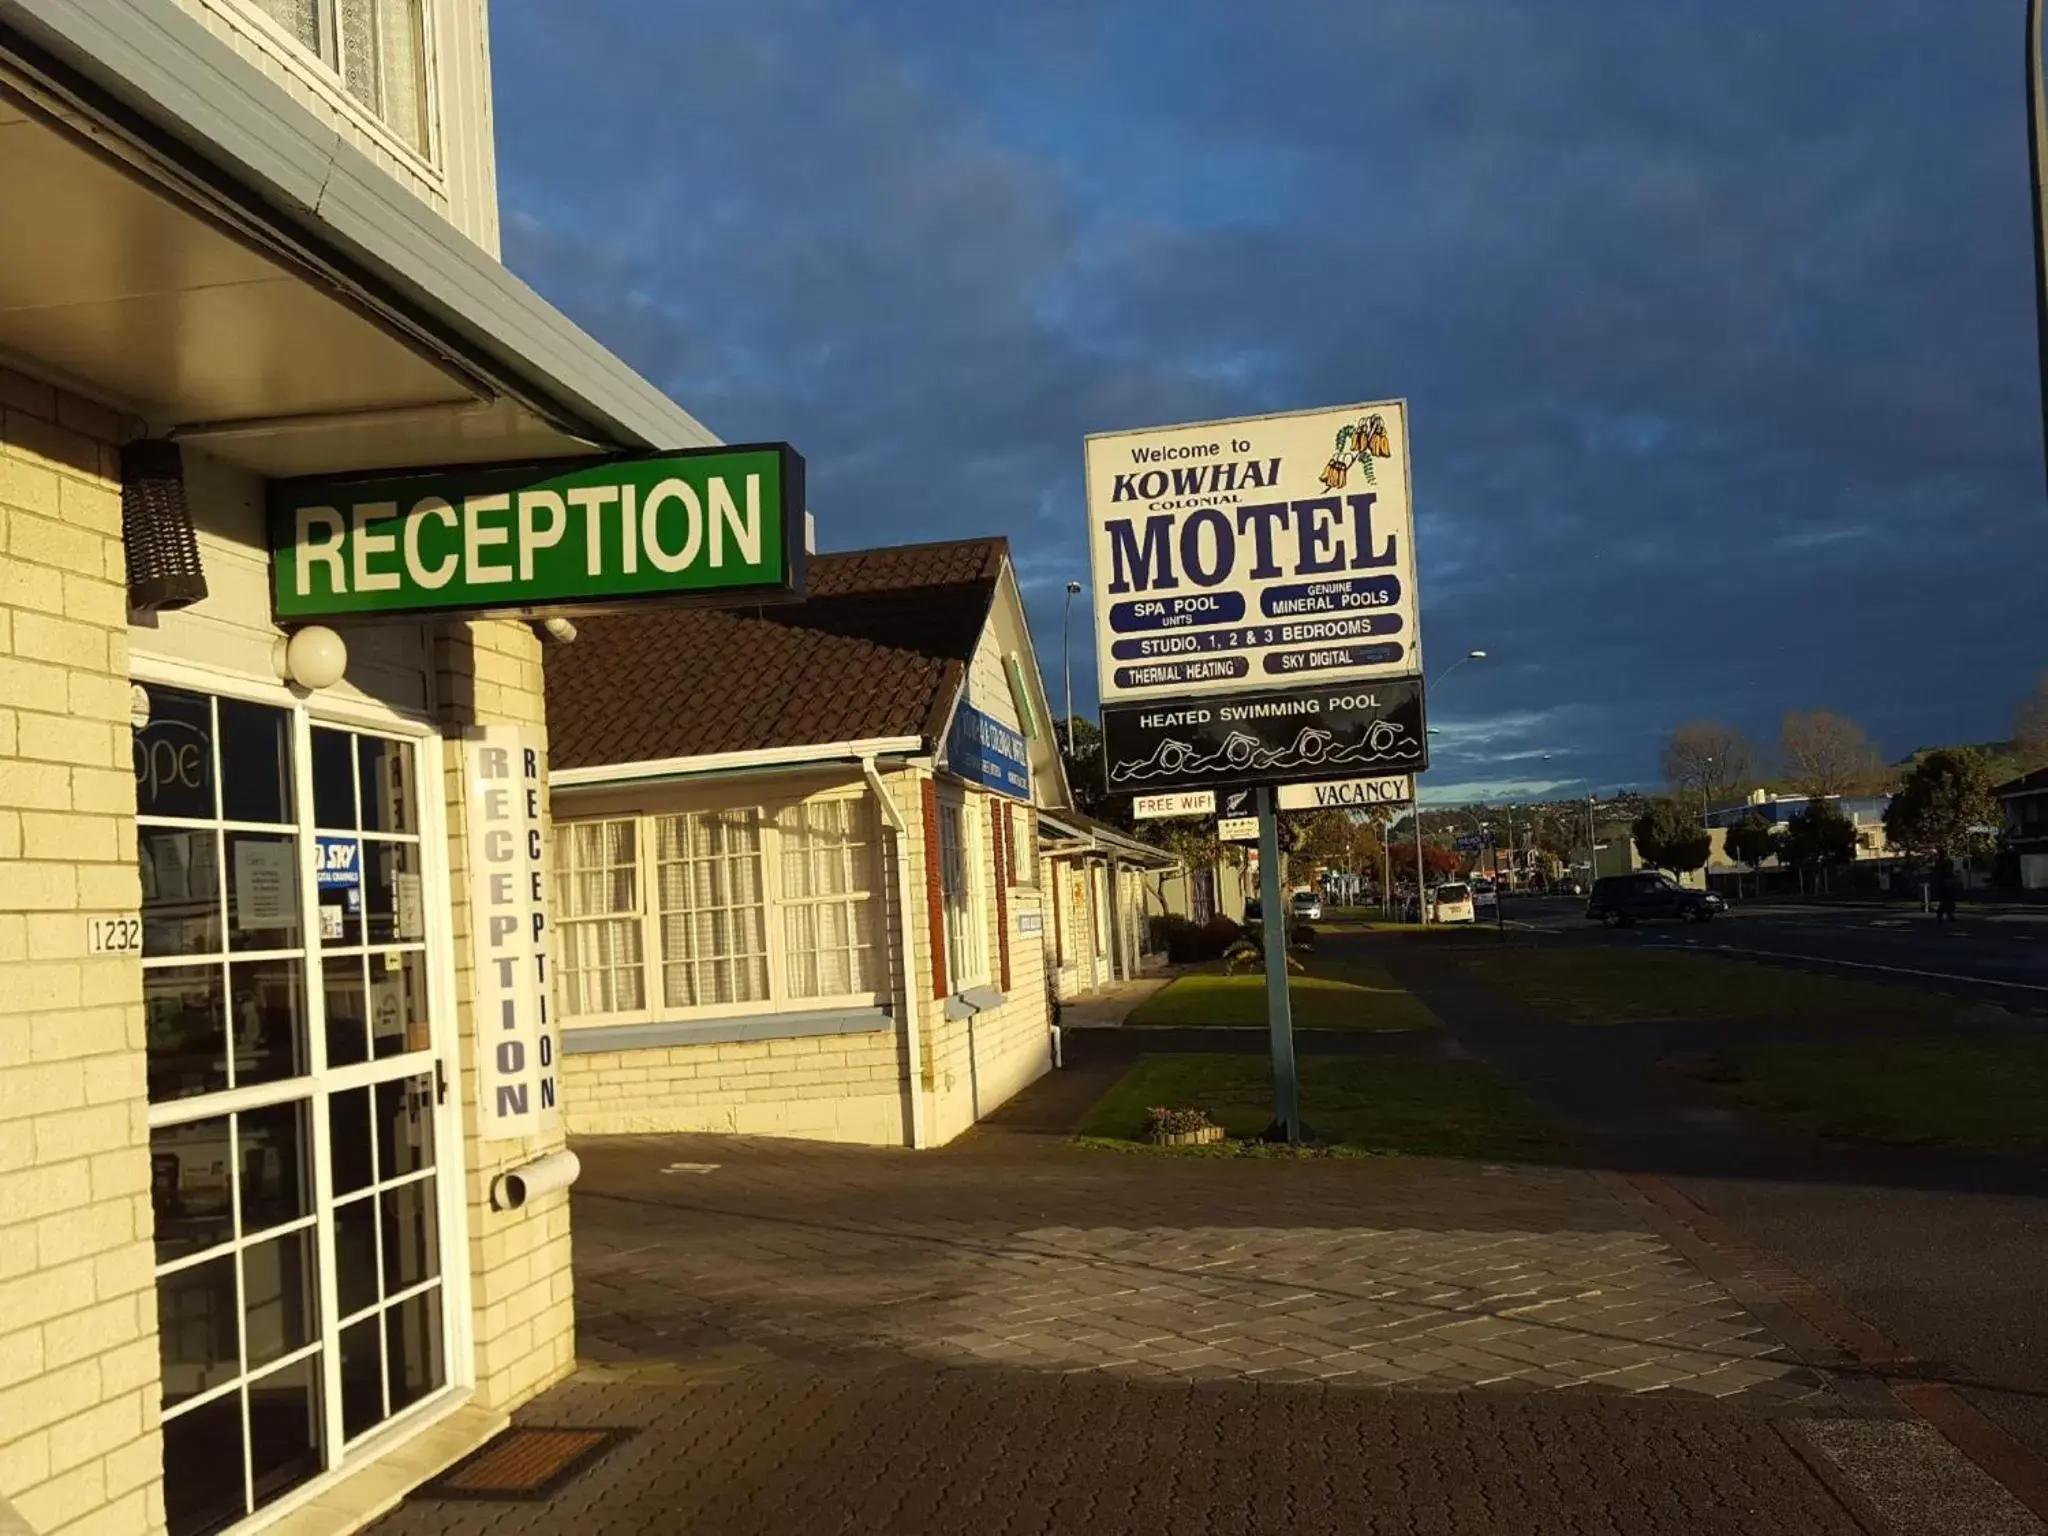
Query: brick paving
{"points": [[1052, 1258], [1017, 1335]]}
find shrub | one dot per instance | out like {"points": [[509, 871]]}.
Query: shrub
{"points": [[1160, 1121]]}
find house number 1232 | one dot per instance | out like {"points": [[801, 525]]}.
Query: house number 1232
{"points": [[113, 935]]}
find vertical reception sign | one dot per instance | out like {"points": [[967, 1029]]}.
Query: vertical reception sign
{"points": [[506, 773]]}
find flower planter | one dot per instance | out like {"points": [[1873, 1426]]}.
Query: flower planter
{"points": [[1201, 1136]]}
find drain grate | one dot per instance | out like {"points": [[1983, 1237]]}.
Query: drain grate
{"points": [[528, 1462]]}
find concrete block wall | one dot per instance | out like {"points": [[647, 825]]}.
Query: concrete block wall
{"points": [[79, 1445], [827, 1087], [489, 672]]}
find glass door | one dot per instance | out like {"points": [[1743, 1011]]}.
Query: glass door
{"points": [[293, 1093]]}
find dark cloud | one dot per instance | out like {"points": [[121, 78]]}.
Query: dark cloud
{"points": [[1715, 319]]}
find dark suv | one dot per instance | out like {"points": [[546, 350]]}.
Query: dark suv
{"points": [[1648, 896]]}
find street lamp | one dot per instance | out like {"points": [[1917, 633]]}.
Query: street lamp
{"points": [[1067, 657], [1421, 900]]}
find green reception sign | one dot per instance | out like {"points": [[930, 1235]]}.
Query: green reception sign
{"points": [[564, 536]]}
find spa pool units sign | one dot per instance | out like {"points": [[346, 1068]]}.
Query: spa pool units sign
{"points": [[1254, 553], [561, 536]]}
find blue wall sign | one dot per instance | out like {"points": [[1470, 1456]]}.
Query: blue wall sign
{"points": [[339, 863], [984, 751]]}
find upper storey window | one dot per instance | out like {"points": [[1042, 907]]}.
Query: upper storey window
{"points": [[377, 48]]}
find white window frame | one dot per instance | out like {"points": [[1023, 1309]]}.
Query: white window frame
{"points": [[568, 923], [325, 78], [443, 1056], [780, 1000], [1023, 816], [965, 864]]}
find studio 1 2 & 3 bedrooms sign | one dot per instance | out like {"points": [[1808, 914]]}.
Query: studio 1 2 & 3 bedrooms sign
{"points": [[561, 536]]}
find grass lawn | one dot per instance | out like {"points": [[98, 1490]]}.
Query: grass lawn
{"points": [[1354, 1104], [1344, 995], [1987, 1095], [1613, 986]]}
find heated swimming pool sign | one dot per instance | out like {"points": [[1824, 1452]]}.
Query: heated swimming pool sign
{"points": [[560, 536], [1254, 553]]}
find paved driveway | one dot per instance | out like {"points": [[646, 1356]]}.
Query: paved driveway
{"points": [[1017, 1335]]}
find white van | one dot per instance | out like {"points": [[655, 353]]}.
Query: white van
{"points": [[1452, 904]]}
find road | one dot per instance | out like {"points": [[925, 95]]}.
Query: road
{"points": [[2000, 956]]}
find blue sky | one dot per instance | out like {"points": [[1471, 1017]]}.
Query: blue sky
{"points": [[1715, 319]]}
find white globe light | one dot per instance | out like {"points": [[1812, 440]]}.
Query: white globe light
{"points": [[316, 657]]}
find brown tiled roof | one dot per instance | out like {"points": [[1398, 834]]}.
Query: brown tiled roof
{"points": [[878, 647]]}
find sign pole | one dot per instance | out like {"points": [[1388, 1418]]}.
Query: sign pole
{"points": [[1286, 1124]]}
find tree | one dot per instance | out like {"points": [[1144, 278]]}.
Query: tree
{"points": [[1085, 776], [1752, 840], [1819, 838], [1668, 836], [1708, 758], [1826, 754], [1944, 807]]}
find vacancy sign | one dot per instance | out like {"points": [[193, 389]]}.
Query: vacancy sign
{"points": [[1192, 802], [1347, 794], [1253, 553], [505, 771]]}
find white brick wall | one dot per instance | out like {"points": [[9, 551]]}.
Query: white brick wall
{"points": [[489, 672], [79, 1447]]}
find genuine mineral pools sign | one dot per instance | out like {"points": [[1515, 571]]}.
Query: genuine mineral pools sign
{"points": [[563, 536], [1253, 554]]}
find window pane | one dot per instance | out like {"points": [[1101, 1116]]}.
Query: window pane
{"points": [[280, 1303], [348, 1137], [334, 781], [196, 1327], [355, 1256], [189, 1187], [263, 892], [413, 1329], [187, 1020], [387, 784], [284, 1428], [269, 1011], [412, 1237], [301, 18], [362, 1376], [203, 1467], [391, 892], [273, 1145], [405, 1126], [398, 1003], [180, 891], [348, 1011], [255, 762], [174, 756]]}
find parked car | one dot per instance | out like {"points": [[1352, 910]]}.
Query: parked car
{"points": [[1485, 899], [1308, 907], [1649, 895], [1569, 885], [1449, 903]]}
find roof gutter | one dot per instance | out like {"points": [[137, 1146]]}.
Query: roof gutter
{"points": [[164, 98], [606, 775]]}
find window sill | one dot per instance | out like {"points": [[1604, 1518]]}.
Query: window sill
{"points": [[582, 1040], [965, 1005]]}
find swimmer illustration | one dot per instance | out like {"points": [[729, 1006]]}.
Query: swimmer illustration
{"points": [[1357, 443]]}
